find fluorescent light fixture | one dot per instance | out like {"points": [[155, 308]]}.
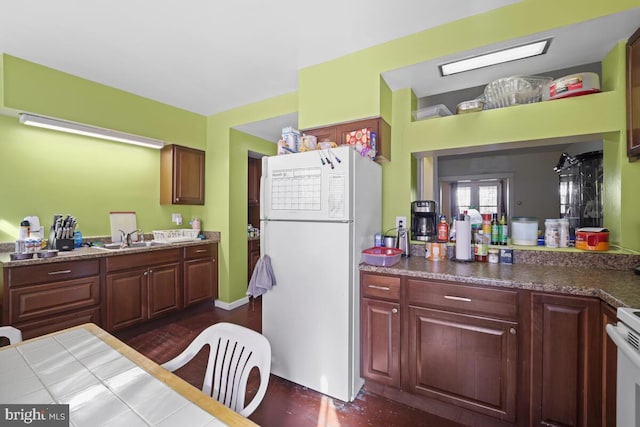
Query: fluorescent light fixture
{"points": [[497, 57], [96, 132]]}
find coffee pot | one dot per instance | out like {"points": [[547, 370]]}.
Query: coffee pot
{"points": [[424, 220]]}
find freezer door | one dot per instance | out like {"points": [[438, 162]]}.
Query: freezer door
{"points": [[312, 186], [309, 315]]}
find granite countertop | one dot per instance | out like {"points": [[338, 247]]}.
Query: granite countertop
{"points": [[93, 252], [619, 288]]}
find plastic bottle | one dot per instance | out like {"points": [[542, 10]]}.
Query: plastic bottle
{"points": [[77, 239], [495, 230], [564, 233], [481, 248], [551, 233], [24, 230], [443, 230], [504, 230]]}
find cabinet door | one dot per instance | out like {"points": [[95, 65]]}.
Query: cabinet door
{"points": [[633, 96], [126, 299], [48, 300], [326, 134], [181, 175], [200, 281], [609, 367], [565, 361], [380, 341], [253, 188], [163, 290], [468, 361]]}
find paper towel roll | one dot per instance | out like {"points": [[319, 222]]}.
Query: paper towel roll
{"points": [[463, 240]]}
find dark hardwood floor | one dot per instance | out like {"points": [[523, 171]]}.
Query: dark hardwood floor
{"points": [[286, 404]]}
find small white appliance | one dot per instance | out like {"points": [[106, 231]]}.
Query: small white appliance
{"points": [[319, 210], [626, 335]]}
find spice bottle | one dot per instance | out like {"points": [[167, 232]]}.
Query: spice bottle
{"points": [[24, 230]]}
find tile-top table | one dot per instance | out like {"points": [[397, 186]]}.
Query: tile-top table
{"points": [[104, 382]]}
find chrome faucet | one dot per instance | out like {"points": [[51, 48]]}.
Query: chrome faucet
{"points": [[125, 238]]}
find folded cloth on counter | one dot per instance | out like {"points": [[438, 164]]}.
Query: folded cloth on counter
{"points": [[262, 278]]}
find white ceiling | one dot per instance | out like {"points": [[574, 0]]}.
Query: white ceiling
{"points": [[208, 57]]}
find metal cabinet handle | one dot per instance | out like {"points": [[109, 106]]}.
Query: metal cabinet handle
{"points": [[199, 251], [454, 298], [394, 310], [145, 273], [382, 288], [53, 273], [548, 424], [512, 331]]}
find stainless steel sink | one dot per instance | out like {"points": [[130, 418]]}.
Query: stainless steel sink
{"points": [[135, 245]]}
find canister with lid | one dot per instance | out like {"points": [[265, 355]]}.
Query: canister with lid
{"points": [[564, 233], [551, 233]]}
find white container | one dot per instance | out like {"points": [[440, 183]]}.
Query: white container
{"points": [[439, 110], [564, 233], [524, 231], [551, 233]]}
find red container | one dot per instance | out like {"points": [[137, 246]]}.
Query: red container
{"points": [[381, 257], [592, 239]]}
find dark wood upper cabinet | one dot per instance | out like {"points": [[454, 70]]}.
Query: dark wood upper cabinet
{"points": [[181, 176], [338, 133], [633, 96]]}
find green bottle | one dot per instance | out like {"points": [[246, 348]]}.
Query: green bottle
{"points": [[503, 230]]}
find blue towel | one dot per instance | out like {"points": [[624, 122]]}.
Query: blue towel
{"points": [[262, 278]]}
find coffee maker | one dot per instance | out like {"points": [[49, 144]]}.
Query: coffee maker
{"points": [[424, 220]]}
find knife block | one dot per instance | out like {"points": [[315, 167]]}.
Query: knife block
{"points": [[62, 244]]}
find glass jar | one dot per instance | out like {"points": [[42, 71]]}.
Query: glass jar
{"points": [[551, 233]]}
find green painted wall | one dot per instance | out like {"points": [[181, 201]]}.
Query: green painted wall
{"points": [[37, 89], [348, 88], [46, 172], [227, 161]]}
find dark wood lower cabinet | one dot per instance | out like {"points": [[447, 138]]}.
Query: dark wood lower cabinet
{"points": [[609, 367], [381, 336], [565, 357], [468, 361], [488, 356], [163, 290]]}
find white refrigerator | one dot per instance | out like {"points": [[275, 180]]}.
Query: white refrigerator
{"points": [[319, 210]]}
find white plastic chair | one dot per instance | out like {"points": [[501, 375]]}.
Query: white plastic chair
{"points": [[13, 334], [234, 352]]}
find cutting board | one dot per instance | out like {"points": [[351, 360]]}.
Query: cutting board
{"points": [[125, 221]]}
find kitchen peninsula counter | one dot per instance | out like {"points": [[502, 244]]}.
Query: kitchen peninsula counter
{"points": [[615, 287]]}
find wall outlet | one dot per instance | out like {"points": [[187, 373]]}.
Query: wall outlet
{"points": [[177, 218], [404, 222]]}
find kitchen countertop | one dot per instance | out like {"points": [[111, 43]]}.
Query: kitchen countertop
{"points": [[619, 288], [93, 252]]}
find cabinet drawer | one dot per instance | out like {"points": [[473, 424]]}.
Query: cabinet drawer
{"points": [[202, 251], [55, 271], [124, 262], [470, 299], [45, 326], [378, 286], [31, 302]]}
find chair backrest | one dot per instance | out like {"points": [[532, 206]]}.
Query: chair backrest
{"points": [[13, 334], [234, 352]]}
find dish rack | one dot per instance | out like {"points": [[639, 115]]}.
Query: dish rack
{"points": [[174, 236]]}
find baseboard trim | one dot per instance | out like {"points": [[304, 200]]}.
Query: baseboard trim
{"points": [[231, 305]]}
